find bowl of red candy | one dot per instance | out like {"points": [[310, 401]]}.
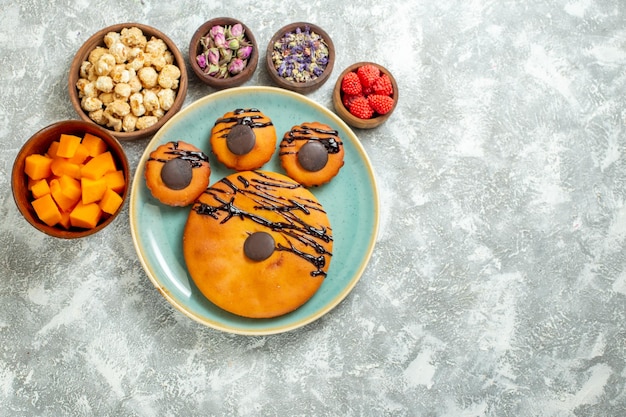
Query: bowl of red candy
{"points": [[365, 95]]}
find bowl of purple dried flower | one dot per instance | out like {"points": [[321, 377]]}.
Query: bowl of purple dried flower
{"points": [[223, 53], [300, 57]]}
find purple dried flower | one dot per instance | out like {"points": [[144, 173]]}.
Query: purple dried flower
{"points": [[317, 71]]}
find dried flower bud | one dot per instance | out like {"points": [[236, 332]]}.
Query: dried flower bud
{"points": [[219, 40], [244, 52], [236, 66], [213, 69], [233, 44], [217, 29], [201, 61], [237, 30], [226, 55], [214, 56]]}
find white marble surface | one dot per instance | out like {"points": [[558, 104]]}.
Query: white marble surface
{"points": [[498, 283]]}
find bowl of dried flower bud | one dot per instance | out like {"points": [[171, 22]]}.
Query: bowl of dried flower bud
{"points": [[223, 53], [300, 57], [365, 95], [129, 78]]}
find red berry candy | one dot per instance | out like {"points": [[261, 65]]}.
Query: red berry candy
{"points": [[361, 108], [347, 99], [383, 85], [350, 84], [368, 74], [380, 103]]}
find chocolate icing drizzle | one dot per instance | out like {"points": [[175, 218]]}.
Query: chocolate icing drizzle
{"points": [[194, 157], [242, 117], [328, 137], [291, 227]]}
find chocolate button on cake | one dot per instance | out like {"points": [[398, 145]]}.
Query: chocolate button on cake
{"points": [[313, 156], [243, 139], [311, 153], [257, 244], [177, 173]]}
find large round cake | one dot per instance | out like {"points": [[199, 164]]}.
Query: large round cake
{"points": [[257, 244]]}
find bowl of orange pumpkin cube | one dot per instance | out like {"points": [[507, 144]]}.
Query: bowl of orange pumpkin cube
{"points": [[70, 179]]}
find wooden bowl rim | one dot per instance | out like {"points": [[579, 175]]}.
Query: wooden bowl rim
{"points": [[222, 83], [299, 87], [39, 143], [97, 39], [345, 114]]}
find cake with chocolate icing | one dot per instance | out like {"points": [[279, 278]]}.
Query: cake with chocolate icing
{"points": [[177, 173], [257, 244], [311, 153], [243, 139]]}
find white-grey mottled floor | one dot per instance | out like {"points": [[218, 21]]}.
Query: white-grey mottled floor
{"points": [[497, 286]]}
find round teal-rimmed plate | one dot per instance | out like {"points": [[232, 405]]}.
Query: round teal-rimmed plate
{"points": [[350, 200]]}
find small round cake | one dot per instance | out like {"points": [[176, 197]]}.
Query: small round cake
{"points": [[257, 244], [177, 173], [243, 139], [311, 153]]}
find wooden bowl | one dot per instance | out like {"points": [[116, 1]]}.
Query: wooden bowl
{"points": [[351, 119], [303, 87], [98, 40], [39, 144], [196, 48]]}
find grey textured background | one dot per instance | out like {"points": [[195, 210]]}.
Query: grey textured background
{"points": [[497, 286]]}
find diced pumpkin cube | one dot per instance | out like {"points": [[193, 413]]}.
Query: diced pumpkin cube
{"points": [[70, 187], [30, 182], [65, 219], [37, 166], [98, 166], [47, 210], [94, 144], [62, 166], [68, 145], [80, 155], [63, 201], [111, 202], [115, 180], [93, 190], [40, 188], [85, 216], [52, 149]]}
